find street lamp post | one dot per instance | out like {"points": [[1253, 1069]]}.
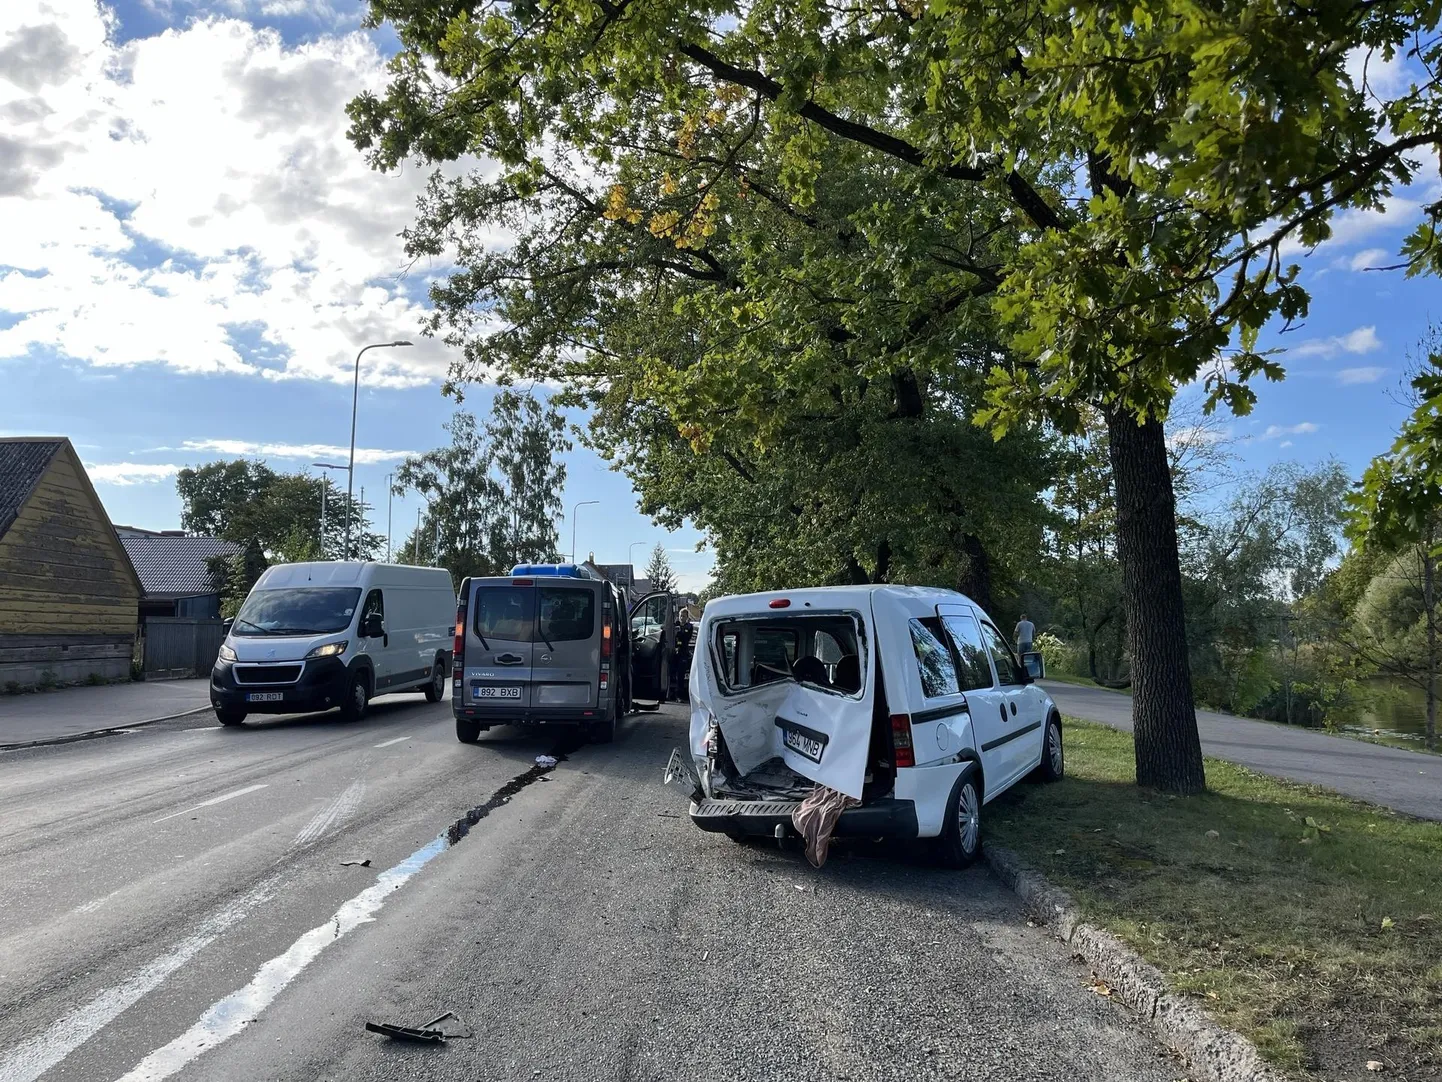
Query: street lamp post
{"points": [[324, 488], [577, 507], [630, 560], [354, 405]]}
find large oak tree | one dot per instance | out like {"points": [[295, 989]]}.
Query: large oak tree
{"points": [[1113, 184]]}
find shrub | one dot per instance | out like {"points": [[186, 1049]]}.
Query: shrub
{"points": [[12, 687], [48, 681], [1058, 656]]}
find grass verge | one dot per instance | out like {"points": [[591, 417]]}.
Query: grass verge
{"points": [[1307, 921]]}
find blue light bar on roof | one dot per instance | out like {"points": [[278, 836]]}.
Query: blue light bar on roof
{"points": [[565, 571]]}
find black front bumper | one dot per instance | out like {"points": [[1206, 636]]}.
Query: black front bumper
{"points": [[888, 818], [322, 685]]}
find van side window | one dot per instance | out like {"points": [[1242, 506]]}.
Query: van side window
{"points": [[374, 606], [933, 659], [1008, 672], [974, 672], [774, 653]]}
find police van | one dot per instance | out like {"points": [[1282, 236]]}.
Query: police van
{"points": [[556, 644]]}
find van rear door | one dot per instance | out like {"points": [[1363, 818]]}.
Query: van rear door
{"points": [[500, 647], [567, 650]]}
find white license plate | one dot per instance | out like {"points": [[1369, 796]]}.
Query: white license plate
{"points": [[497, 693], [802, 744], [265, 697]]}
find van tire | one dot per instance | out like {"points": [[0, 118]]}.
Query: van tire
{"points": [[357, 696], [1053, 755], [229, 715], [960, 842], [468, 730], [604, 732], [435, 687]]}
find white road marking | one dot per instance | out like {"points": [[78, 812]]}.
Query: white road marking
{"points": [[388, 743], [229, 1016], [31, 1058], [338, 809], [201, 729], [213, 800]]}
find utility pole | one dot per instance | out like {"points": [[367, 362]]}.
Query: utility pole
{"points": [[362, 503], [436, 546], [416, 548], [390, 495], [324, 488]]}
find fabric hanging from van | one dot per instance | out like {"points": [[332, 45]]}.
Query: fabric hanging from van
{"points": [[815, 819]]}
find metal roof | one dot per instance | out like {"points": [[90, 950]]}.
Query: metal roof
{"points": [[23, 461], [176, 566]]}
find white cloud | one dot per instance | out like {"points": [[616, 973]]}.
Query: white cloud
{"points": [[1285, 443], [1370, 374], [307, 452], [129, 473], [190, 200], [1361, 340], [1353, 226], [1301, 429], [1370, 257]]}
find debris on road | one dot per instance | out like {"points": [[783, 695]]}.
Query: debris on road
{"points": [[360, 862], [427, 1033], [407, 1033], [546, 760]]}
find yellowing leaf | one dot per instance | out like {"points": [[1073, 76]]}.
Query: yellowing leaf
{"points": [[1388, 922]]}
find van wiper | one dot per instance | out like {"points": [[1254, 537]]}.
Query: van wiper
{"points": [[252, 623], [484, 644], [545, 640]]}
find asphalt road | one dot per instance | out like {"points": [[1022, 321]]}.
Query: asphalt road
{"points": [[175, 905], [1406, 781]]}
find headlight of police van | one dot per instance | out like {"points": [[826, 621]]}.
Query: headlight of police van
{"points": [[226, 653], [330, 649]]}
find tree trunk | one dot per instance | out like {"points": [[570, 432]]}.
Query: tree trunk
{"points": [[975, 581], [1429, 602], [1164, 718]]}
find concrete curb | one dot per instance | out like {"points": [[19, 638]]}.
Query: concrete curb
{"points": [[1215, 1052], [91, 734]]}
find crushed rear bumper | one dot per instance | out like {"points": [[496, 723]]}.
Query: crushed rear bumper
{"points": [[887, 818]]}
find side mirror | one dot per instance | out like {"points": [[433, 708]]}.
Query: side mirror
{"points": [[225, 625], [374, 626]]}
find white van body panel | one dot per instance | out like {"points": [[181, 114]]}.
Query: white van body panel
{"points": [[419, 619]]}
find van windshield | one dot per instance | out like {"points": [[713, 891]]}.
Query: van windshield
{"points": [[307, 610]]}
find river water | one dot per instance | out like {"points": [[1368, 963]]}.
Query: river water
{"points": [[1397, 709]]}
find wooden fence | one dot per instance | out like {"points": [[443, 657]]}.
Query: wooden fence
{"points": [[180, 646]]}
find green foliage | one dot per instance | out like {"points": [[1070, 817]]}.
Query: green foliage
{"points": [[237, 574], [494, 493], [241, 500], [659, 571]]}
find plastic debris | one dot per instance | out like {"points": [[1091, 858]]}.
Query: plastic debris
{"points": [[358, 863], [546, 760], [407, 1033]]}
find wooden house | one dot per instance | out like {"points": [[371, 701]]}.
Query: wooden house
{"points": [[69, 597]]}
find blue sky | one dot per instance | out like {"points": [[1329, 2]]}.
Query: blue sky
{"points": [[192, 254]]}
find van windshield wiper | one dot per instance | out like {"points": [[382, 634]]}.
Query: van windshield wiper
{"points": [[252, 623], [484, 644], [545, 640]]}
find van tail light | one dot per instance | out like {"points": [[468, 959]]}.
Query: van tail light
{"points": [[606, 641], [605, 681], [458, 647], [901, 740]]}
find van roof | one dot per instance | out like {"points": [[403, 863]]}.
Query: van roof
{"points": [[352, 573], [829, 597]]}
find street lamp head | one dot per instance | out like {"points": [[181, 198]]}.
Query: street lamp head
{"points": [[329, 465], [401, 343]]}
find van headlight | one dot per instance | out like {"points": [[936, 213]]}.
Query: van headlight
{"points": [[226, 653], [330, 649]]}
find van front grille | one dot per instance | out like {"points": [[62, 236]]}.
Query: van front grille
{"points": [[267, 674]]}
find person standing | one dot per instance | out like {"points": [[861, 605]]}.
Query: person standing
{"points": [[1025, 635]]}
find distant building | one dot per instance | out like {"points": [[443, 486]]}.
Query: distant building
{"points": [[69, 597], [174, 569]]}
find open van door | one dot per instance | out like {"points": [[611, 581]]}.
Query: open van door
{"points": [[653, 646]]}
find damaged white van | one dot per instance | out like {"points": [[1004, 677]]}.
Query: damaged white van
{"points": [[898, 711]]}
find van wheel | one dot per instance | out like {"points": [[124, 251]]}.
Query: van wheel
{"points": [[960, 842], [229, 715], [357, 697], [468, 730], [604, 732], [1053, 757], [436, 689]]}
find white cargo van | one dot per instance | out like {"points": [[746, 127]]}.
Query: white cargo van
{"points": [[318, 635], [906, 699]]}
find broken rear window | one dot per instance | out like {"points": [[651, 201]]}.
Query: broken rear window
{"points": [[822, 650]]}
